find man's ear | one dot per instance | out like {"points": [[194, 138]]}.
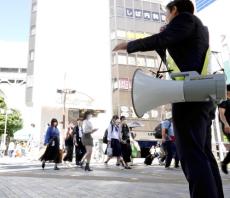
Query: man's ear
{"points": [[174, 11]]}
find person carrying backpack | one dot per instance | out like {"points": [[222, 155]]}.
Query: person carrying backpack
{"points": [[168, 142]]}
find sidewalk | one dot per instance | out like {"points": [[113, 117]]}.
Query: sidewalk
{"points": [[104, 181]]}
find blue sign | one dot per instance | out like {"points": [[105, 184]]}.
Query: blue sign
{"points": [[147, 15], [155, 16], [201, 4], [163, 17], [138, 13], [129, 12]]}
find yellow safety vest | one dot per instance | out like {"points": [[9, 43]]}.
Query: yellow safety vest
{"points": [[175, 69]]}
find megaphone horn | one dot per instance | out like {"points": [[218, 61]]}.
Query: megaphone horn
{"points": [[149, 92]]}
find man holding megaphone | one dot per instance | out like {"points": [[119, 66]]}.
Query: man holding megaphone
{"points": [[187, 41]]}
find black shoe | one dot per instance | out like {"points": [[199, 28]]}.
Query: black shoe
{"points": [[77, 163], [128, 167], [176, 166], [87, 168], [43, 165], [117, 164], [56, 168], [224, 168], [81, 164]]}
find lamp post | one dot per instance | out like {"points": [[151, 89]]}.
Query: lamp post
{"points": [[6, 112], [65, 92]]}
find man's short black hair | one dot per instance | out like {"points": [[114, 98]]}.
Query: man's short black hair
{"points": [[182, 6]]}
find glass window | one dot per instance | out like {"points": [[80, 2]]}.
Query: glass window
{"points": [[33, 30], [122, 59], [139, 35], [112, 35], [120, 11], [121, 34], [157, 65], [114, 59], [140, 61], [131, 60], [150, 62], [32, 55], [9, 70], [23, 70], [34, 7], [131, 35], [154, 113]]}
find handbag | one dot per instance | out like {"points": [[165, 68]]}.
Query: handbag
{"points": [[109, 151]]}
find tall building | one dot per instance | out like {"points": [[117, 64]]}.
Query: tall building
{"points": [[129, 20], [13, 73], [69, 62]]}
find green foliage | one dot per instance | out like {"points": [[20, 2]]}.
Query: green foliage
{"points": [[14, 119], [2, 103]]}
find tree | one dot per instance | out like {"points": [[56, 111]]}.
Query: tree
{"points": [[14, 119]]}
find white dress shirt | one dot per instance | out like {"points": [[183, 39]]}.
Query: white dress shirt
{"points": [[115, 133], [87, 127]]}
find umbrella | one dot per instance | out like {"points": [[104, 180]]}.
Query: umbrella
{"points": [[135, 124]]}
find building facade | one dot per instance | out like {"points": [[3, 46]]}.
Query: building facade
{"points": [[13, 73], [69, 62], [129, 20]]}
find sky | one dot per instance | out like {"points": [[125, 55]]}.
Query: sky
{"points": [[14, 20]]}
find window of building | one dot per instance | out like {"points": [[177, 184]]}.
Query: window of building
{"points": [[131, 35], [120, 11], [32, 55], [23, 70], [9, 70], [150, 62], [34, 7], [121, 34], [114, 59], [157, 65], [112, 35], [154, 113], [139, 35], [19, 81], [131, 60], [11, 81], [32, 30], [140, 61], [122, 59]]}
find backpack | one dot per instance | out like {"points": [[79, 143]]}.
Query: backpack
{"points": [[158, 131], [104, 139]]}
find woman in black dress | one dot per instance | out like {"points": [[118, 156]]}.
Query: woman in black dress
{"points": [[52, 141]]}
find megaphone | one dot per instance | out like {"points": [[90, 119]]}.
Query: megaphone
{"points": [[149, 92]]}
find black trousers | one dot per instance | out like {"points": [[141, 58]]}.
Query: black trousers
{"points": [[192, 126], [79, 152], [171, 153], [227, 158]]}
